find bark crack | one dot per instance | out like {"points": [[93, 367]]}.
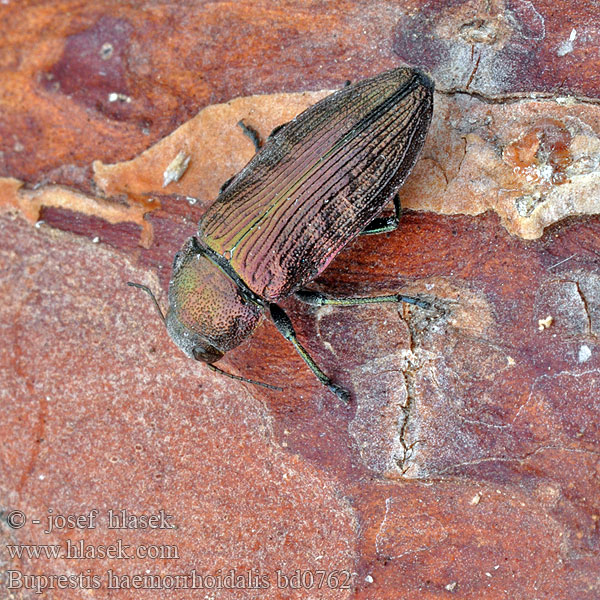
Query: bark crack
{"points": [[409, 375], [516, 97], [585, 307]]}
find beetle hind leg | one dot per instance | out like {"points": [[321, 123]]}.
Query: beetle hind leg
{"points": [[384, 224], [318, 299]]}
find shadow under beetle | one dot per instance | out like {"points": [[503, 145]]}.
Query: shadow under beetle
{"points": [[318, 182]]}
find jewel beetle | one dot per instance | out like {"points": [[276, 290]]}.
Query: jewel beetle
{"points": [[317, 183]]}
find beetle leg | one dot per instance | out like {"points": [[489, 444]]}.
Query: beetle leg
{"points": [[384, 224], [285, 327], [318, 299], [226, 184], [254, 138], [276, 129], [252, 134]]}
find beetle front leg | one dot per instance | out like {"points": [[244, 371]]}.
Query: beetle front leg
{"points": [[285, 327], [254, 137], [318, 299], [384, 224], [252, 134], [226, 184]]}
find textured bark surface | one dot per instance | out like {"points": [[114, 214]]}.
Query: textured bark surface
{"points": [[467, 465]]}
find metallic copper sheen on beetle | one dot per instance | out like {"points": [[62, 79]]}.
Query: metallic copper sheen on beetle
{"points": [[317, 183]]}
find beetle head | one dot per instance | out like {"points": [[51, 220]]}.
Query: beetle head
{"points": [[208, 315]]}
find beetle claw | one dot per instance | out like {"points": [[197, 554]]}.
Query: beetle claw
{"points": [[340, 392]]}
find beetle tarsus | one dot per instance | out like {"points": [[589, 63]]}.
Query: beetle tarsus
{"points": [[340, 392], [416, 301]]}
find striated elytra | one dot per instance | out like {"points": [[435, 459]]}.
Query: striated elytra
{"points": [[317, 183]]}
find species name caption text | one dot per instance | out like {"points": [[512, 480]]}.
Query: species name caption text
{"points": [[77, 548]]}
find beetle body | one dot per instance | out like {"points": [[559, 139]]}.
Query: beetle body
{"points": [[316, 184]]}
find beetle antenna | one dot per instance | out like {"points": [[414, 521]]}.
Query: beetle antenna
{"points": [[238, 378], [149, 292]]}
